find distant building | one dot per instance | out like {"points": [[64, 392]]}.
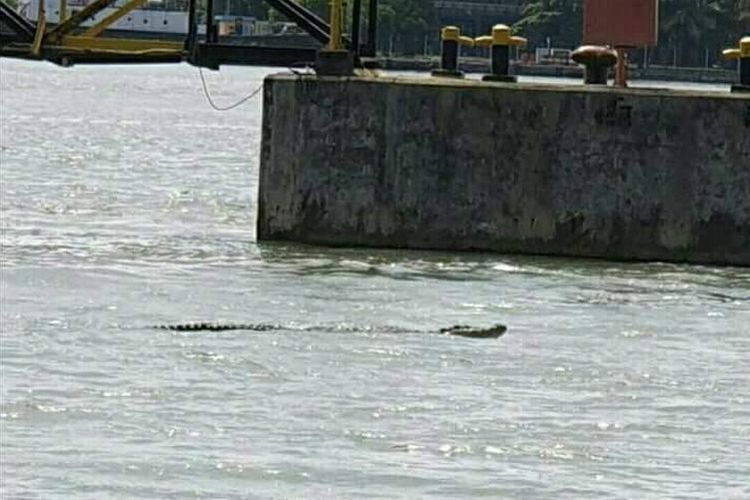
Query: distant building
{"points": [[476, 17]]}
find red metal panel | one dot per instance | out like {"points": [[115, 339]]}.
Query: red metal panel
{"points": [[621, 23]]}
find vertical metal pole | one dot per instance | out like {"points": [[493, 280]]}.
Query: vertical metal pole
{"points": [[210, 21], [344, 10], [336, 10], [356, 19], [63, 10], [372, 29], [41, 27], [621, 70], [192, 28]]}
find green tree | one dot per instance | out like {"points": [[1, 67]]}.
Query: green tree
{"points": [[691, 26], [404, 24], [320, 7], [691, 32], [257, 8], [740, 14], [558, 20]]}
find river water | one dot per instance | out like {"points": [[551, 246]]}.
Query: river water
{"points": [[127, 202]]}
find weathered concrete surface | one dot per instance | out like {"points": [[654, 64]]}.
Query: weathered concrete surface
{"points": [[435, 164]]}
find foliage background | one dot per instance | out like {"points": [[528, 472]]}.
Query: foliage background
{"points": [[692, 32], [689, 30]]}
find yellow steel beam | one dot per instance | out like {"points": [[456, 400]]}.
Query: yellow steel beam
{"points": [[76, 19], [41, 26], [117, 14], [119, 45], [336, 10]]}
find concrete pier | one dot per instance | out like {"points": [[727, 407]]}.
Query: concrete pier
{"points": [[534, 169]]}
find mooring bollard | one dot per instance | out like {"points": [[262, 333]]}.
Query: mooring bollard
{"points": [[743, 55], [597, 61], [500, 42], [451, 40], [334, 59]]}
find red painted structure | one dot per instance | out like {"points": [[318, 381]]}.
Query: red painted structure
{"points": [[621, 23]]}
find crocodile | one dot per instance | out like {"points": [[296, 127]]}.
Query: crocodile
{"points": [[491, 332]]}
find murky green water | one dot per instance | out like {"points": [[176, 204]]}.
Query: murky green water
{"points": [[127, 202]]}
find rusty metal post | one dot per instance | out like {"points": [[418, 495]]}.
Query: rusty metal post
{"points": [[621, 70]]}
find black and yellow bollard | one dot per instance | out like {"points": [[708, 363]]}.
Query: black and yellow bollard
{"points": [[500, 42], [597, 61], [334, 59], [743, 55], [451, 41]]}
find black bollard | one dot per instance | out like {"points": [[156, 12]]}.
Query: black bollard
{"points": [[500, 43], [742, 54], [597, 62], [499, 61], [451, 41], [449, 56]]}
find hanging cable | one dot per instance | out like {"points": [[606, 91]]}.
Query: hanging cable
{"points": [[227, 108]]}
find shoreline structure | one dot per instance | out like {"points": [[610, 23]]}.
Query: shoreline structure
{"points": [[445, 164]]}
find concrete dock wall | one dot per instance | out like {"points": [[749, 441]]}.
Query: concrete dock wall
{"points": [[464, 165]]}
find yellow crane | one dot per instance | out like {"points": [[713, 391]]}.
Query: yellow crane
{"points": [[70, 43]]}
